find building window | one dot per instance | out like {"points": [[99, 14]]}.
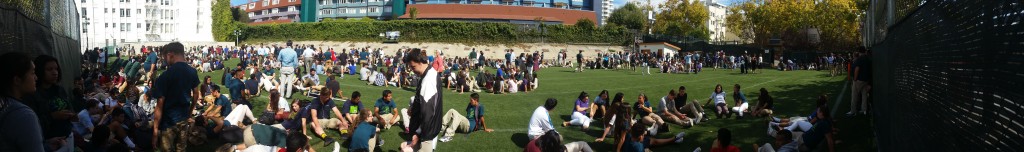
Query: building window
{"points": [[343, 11], [138, 25], [138, 11], [373, 10], [266, 3], [251, 5], [84, 13], [83, 1], [85, 27], [291, 0], [276, 2], [104, 10], [291, 8]]}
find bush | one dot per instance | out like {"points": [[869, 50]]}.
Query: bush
{"points": [[435, 31]]}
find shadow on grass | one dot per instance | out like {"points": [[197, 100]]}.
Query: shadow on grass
{"points": [[521, 139]]}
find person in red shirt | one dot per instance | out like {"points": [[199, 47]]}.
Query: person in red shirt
{"points": [[722, 144]]}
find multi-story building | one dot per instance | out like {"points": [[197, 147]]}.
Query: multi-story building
{"points": [[505, 11], [272, 11], [346, 9], [110, 22], [716, 21], [605, 11]]}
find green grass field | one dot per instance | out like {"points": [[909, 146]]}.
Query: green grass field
{"points": [[508, 114]]}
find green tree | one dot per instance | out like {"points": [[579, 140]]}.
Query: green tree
{"points": [[239, 15], [413, 12], [223, 23], [682, 18], [630, 16], [585, 24], [837, 22]]}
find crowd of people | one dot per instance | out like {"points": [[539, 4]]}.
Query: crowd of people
{"points": [[155, 99]]}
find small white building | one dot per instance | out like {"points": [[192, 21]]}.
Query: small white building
{"points": [[659, 48]]}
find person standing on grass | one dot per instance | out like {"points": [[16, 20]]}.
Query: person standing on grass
{"points": [[289, 61], [540, 122], [386, 111], [426, 106], [861, 83], [579, 61], [176, 90]]}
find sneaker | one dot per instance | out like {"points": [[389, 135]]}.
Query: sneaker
{"points": [[380, 142], [328, 141], [679, 137], [850, 114], [446, 138]]}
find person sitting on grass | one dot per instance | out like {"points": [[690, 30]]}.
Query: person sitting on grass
{"points": [[580, 113], [540, 122], [765, 105], [254, 138], [551, 141], [638, 141], [617, 116], [722, 144], [352, 108], [783, 143], [217, 108], [364, 135], [473, 121], [740, 101], [822, 130], [278, 106], [646, 113], [385, 110], [320, 110], [600, 105], [667, 110], [721, 108]]}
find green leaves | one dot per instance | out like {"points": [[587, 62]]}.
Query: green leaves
{"points": [[682, 18], [437, 31], [630, 16], [223, 21], [836, 20]]}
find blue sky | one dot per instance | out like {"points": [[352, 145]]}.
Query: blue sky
{"points": [[618, 3]]}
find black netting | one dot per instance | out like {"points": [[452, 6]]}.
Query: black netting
{"points": [[37, 27], [949, 77]]}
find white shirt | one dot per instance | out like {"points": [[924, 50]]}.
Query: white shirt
{"points": [[308, 53], [718, 97], [283, 104], [540, 122]]}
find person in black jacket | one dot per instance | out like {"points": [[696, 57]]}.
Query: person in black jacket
{"points": [[425, 111]]}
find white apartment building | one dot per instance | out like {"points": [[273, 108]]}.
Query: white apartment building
{"points": [[716, 20], [604, 10], [114, 22]]}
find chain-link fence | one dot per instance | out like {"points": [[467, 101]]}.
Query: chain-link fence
{"points": [[40, 27], [948, 76]]}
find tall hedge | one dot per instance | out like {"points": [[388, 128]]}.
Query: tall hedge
{"points": [[434, 31]]}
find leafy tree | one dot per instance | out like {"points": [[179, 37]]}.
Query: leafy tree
{"points": [[585, 24], [223, 22], [683, 18], [413, 12], [630, 16], [837, 22], [239, 15]]}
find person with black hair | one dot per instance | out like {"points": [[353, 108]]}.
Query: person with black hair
{"points": [[765, 104], [118, 128], [297, 143], [51, 103], [723, 142], [783, 143], [540, 122], [177, 90], [252, 88], [350, 109], [740, 101], [427, 104], [19, 124], [386, 111], [580, 113], [616, 115], [320, 113], [721, 107], [600, 105], [237, 88], [472, 121]]}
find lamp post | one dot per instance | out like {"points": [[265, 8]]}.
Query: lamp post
{"points": [[237, 33]]}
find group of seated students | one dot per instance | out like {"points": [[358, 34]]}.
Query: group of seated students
{"points": [[634, 126]]}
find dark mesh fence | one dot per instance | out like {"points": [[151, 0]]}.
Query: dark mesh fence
{"points": [[949, 77], [40, 27]]}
